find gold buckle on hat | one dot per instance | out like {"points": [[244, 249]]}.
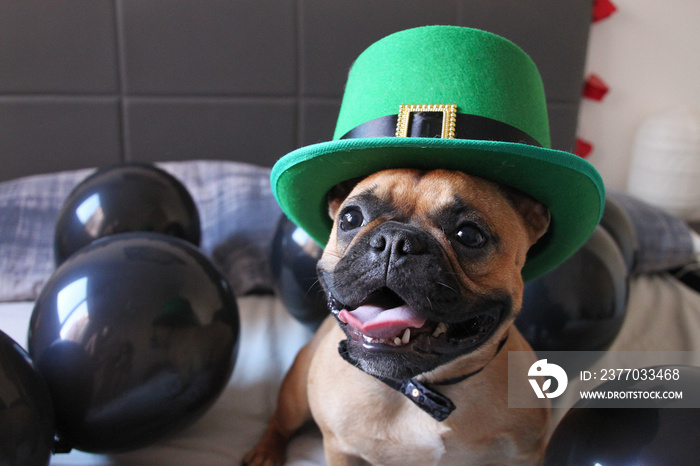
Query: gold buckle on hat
{"points": [[449, 118]]}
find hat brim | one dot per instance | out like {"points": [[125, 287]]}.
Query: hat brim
{"points": [[569, 186]]}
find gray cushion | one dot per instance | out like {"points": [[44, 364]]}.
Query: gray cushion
{"points": [[237, 211]]}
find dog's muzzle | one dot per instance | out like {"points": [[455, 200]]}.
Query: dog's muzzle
{"points": [[401, 307]]}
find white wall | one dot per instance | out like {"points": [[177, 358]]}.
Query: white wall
{"points": [[648, 53]]}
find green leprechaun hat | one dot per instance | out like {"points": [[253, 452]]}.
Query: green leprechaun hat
{"points": [[454, 98]]}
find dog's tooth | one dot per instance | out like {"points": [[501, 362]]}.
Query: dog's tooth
{"points": [[406, 336], [440, 329], [397, 341]]}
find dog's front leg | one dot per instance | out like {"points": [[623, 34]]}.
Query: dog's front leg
{"points": [[335, 457], [291, 414], [292, 408]]}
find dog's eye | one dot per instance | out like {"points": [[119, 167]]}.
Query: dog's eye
{"points": [[471, 236], [351, 219]]}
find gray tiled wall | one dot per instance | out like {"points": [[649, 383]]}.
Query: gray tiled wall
{"points": [[93, 82]]}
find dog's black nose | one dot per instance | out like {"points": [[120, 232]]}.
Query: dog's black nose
{"points": [[397, 239]]}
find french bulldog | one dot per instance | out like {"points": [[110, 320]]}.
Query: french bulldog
{"points": [[423, 277]]}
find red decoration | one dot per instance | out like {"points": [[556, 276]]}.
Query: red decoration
{"points": [[595, 88], [583, 148], [602, 9]]}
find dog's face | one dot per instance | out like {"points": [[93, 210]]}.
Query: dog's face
{"points": [[424, 267]]}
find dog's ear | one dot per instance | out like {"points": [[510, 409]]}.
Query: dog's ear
{"points": [[338, 194], [535, 214]]}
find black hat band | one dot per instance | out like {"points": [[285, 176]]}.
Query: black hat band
{"points": [[433, 124]]}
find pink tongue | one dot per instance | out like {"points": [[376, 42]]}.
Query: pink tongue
{"points": [[376, 322]]}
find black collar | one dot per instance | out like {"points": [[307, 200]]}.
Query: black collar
{"points": [[427, 399]]}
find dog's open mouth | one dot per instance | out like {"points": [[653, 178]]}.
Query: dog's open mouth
{"points": [[384, 321]]}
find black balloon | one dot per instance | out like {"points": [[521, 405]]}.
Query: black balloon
{"points": [[590, 435], [294, 258], [136, 335], [26, 413], [581, 304], [125, 198]]}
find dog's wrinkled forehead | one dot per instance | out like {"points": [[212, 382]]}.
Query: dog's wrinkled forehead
{"points": [[418, 193]]}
